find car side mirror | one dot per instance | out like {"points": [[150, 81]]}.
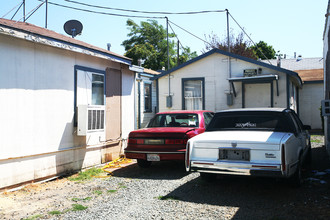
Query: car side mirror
{"points": [[307, 127]]}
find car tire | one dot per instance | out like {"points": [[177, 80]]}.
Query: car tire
{"points": [[296, 179], [308, 159], [208, 177], [143, 163]]}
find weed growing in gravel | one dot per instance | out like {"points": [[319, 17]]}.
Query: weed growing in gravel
{"points": [[316, 141], [78, 207], [122, 186], [167, 197], [86, 175], [112, 191], [55, 212], [33, 217], [81, 199], [98, 192]]}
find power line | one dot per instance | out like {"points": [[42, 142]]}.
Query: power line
{"points": [[177, 38], [147, 17], [189, 33], [146, 12], [250, 39], [32, 12], [19, 4], [103, 13]]}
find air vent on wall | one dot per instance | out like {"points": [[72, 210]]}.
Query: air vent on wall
{"points": [[91, 118]]}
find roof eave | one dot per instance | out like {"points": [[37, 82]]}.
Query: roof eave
{"points": [[58, 43], [289, 72]]}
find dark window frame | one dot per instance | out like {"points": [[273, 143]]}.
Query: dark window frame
{"points": [[87, 69], [183, 80], [149, 85]]}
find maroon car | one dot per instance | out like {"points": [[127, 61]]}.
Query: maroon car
{"points": [[165, 136]]}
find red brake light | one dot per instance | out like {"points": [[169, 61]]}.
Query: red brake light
{"points": [[174, 141], [135, 141]]}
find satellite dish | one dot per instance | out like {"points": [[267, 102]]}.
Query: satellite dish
{"points": [[73, 27]]}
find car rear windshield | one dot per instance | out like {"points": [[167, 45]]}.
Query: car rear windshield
{"points": [[270, 121], [174, 120]]}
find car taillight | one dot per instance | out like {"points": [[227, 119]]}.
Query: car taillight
{"points": [[187, 156], [174, 141], [283, 158], [135, 141]]}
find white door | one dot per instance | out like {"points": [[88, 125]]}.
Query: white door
{"points": [[257, 95]]}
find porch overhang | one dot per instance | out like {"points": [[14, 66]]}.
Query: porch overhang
{"points": [[254, 79]]}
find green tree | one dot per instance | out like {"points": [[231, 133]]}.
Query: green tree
{"points": [[264, 51], [149, 43], [238, 45]]}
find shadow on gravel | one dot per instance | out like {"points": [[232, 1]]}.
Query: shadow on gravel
{"points": [[164, 170], [265, 198], [258, 198], [320, 158]]}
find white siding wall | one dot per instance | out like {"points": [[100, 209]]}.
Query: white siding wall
{"points": [[215, 70], [38, 137], [310, 103]]}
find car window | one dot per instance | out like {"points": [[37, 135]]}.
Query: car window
{"points": [[296, 123], [297, 119], [250, 120], [174, 120], [207, 118]]}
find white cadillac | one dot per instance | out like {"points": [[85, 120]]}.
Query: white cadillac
{"points": [[262, 142]]}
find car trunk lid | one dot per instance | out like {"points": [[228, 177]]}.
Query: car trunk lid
{"points": [[255, 140]]}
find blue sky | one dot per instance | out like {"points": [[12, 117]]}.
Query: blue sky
{"points": [[288, 25]]}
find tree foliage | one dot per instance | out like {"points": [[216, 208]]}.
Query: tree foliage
{"points": [[237, 44], [241, 47], [149, 43], [264, 51]]}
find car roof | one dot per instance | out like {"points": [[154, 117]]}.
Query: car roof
{"points": [[183, 111], [255, 109]]}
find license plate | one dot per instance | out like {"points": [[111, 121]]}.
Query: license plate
{"points": [[237, 154], [153, 157]]}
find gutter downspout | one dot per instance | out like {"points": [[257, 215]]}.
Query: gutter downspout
{"points": [[169, 97], [139, 102], [229, 96]]}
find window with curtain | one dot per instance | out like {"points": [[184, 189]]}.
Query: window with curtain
{"points": [[97, 89], [193, 94], [147, 97]]}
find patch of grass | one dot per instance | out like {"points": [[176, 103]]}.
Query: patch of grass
{"points": [[33, 217], [167, 197], [122, 186], [112, 191], [78, 207], [86, 175], [316, 141], [55, 212], [98, 192], [81, 199]]}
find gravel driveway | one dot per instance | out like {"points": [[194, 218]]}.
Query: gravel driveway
{"points": [[166, 191]]}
